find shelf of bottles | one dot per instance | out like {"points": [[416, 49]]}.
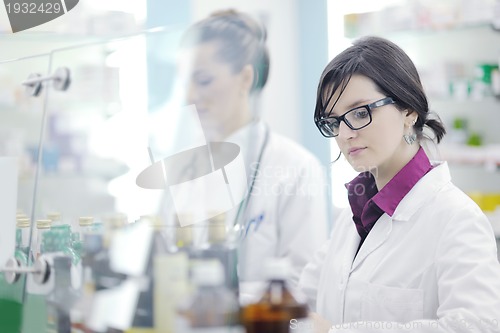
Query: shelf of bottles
{"points": [[170, 284]]}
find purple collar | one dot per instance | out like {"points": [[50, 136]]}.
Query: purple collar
{"points": [[368, 204]]}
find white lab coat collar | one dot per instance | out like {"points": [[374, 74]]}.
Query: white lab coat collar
{"points": [[250, 139], [430, 183], [243, 134], [418, 196]]}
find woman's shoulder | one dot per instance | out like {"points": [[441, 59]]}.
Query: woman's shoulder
{"points": [[458, 201], [436, 197], [447, 192], [452, 206]]}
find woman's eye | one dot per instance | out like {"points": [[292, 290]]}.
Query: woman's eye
{"points": [[334, 123], [203, 80], [362, 113]]}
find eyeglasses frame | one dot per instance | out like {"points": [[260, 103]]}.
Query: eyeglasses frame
{"points": [[368, 107]]}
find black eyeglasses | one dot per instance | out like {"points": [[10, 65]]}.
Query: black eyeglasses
{"points": [[356, 118]]}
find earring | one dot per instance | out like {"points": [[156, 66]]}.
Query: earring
{"points": [[410, 138]]}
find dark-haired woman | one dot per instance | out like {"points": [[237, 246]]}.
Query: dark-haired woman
{"points": [[413, 252]]}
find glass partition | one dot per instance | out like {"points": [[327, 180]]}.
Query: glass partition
{"points": [[124, 145], [140, 157], [21, 123], [96, 143]]}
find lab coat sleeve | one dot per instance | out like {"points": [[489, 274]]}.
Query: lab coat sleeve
{"points": [[309, 280], [302, 215], [311, 275], [468, 275]]}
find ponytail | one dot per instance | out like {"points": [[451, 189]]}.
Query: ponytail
{"points": [[436, 125]]}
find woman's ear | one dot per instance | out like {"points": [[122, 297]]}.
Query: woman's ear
{"points": [[247, 77], [410, 118]]}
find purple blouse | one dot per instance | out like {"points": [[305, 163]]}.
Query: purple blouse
{"points": [[368, 204]]}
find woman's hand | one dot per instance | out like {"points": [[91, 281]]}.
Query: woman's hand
{"points": [[320, 324]]}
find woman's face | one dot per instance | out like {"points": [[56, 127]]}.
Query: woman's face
{"points": [[379, 146], [219, 93]]}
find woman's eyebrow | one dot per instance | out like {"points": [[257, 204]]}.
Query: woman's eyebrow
{"points": [[351, 106], [357, 103]]}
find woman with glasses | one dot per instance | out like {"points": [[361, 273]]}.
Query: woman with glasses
{"points": [[413, 253]]}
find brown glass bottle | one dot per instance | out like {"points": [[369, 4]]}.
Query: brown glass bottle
{"points": [[276, 309]]}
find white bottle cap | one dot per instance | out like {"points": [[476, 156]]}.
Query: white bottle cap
{"points": [[23, 222], [43, 224], [208, 273], [85, 221], [54, 216], [277, 269]]}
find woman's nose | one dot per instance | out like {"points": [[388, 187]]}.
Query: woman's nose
{"points": [[345, 132]]}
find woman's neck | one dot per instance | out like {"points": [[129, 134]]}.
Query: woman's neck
{"points": [[384, 173], [223, 130]]}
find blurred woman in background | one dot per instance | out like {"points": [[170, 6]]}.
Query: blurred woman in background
{"points": [[225, 64]]}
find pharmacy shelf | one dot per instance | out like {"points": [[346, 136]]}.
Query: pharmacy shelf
{"points": [[488, 155]]}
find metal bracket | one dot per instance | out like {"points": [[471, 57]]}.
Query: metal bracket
{"points": [[13, 270], [61, 81]]}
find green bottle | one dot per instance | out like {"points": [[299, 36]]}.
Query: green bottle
{"points": [[11, 295], [22, 240]]}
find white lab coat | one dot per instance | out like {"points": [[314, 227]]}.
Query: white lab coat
{"points": [[287, 211], [431, 267]]}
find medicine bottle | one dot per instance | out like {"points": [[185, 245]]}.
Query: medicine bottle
{"points": [[213, 307], [22, 240], [278, 311], [42, 241], [85, 226], [219, 247], [55, 217]]}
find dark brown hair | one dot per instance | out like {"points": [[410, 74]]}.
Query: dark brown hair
{"points": [[393, 72]]}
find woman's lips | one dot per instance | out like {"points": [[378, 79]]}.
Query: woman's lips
{"points": [[356, 151]]}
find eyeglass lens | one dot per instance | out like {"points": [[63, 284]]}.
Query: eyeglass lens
{"points": [[355, 119]]}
